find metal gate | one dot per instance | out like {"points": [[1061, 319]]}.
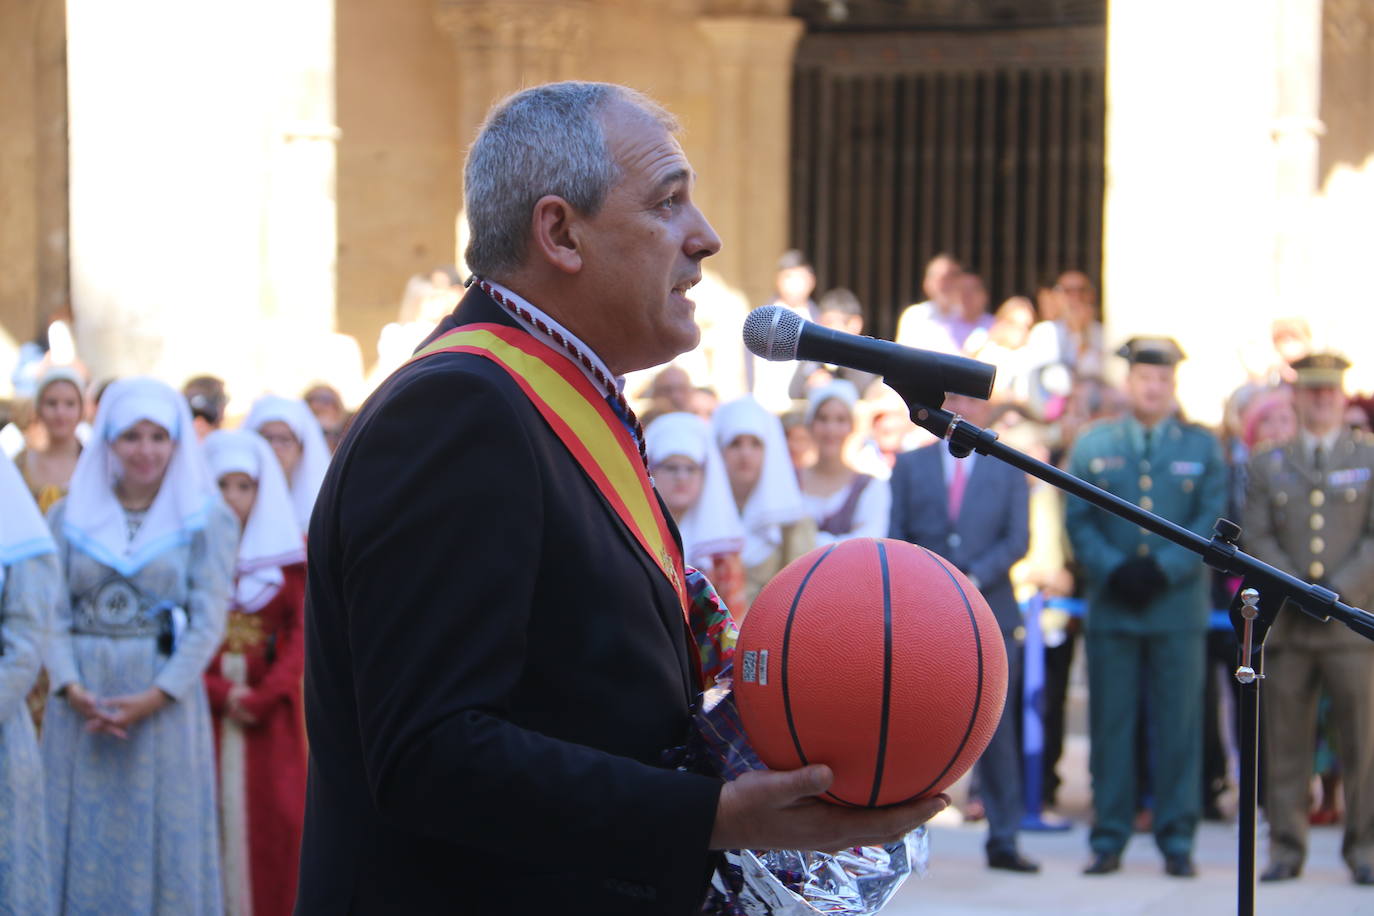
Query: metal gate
{"points": [[986, 144]]}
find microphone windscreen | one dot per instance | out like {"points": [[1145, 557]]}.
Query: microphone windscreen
{"points": [[772, 332]]}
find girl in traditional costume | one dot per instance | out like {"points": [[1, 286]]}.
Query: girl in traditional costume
{"points": [[690, 476], [777, 528], [30, 586], [255, 683], [843, 502], [59, 405], [295, 435], [147, 546]]}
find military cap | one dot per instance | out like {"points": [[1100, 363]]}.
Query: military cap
{"points": [[1320, 370], [1154, 351]]}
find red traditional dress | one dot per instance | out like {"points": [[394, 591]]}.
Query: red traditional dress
{"points": [[262, 766]]}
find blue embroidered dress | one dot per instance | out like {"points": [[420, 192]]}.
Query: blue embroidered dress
{"points": [[132, 823], [29, 589]]}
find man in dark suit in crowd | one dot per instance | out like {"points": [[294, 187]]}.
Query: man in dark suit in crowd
{"points": [[498, 657], [974, 512]]}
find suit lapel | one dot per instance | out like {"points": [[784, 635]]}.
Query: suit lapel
{"points": [[1295, 457], [976, 478], [477, 307]]}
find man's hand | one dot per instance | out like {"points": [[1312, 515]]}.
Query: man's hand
{"points": [[766, 809], [1137, 582]]}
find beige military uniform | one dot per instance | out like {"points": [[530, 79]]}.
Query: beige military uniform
{"points": [[1313, 516]]}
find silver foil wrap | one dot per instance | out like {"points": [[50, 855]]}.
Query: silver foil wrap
{"points": [[854, 882]]}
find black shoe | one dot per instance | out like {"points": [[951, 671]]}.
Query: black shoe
{"points": [[1281, 871], [1011, 860], [1179, 866], [1104, 863], [1362, 874]]}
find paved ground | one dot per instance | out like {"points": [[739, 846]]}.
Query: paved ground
{"points": [[959, 882]]}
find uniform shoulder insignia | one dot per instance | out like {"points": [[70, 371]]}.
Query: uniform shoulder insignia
{"points": [[1096, 427], [1195, 429]]}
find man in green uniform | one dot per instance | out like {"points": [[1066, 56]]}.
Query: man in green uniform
{"points": [[1310, 511], [1147, 606]]}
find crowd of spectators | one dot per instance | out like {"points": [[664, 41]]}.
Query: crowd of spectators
{"points": [[813, 454]]}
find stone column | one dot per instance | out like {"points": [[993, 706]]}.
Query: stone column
{"points": [[1190, 220], [750, 159], [1297, 129], [201, 211], [503, 46]]}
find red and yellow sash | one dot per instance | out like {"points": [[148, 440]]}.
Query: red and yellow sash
{"points": [[587, 427]]}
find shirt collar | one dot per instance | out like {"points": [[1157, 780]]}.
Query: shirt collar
{"points": [[1310, 442], [1138, 431], [549, 339], [947, 462]]}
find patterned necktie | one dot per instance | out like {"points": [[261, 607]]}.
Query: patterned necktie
{"points": [[624, 420], [956, 489]]}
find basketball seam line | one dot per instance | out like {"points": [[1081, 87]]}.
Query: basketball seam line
{"points": [[887, 676], [978, 691], [786, 646]]}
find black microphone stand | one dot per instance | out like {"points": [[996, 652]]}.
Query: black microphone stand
{"points": [[1263, 593]]}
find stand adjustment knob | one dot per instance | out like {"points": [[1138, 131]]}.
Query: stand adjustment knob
{"points": [[1227, 530]]}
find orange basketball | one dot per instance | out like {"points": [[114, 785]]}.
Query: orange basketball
{"points": [[878, 659]]}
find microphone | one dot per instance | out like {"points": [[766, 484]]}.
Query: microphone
{"points": [[779, 334]]}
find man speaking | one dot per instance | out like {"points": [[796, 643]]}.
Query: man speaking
{"points": [[498, 645]]}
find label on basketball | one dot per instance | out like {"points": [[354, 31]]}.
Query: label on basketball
{"points": [[751, 664], [763, 667]]}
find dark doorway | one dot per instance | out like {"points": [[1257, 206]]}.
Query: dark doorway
{"points": [[961, 135]]}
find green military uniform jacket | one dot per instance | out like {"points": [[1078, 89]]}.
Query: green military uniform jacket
{"points": [[1317, 526], [1176, 472]]}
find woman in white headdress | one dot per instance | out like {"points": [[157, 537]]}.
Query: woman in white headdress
{"points": [[59, 405], [147, 546], [764, 485], [843, 502], [295, 435], [30, 586], [255, 682], [690, 476]]}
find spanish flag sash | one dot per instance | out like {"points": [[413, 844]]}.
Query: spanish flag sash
{"points": [[584, 422]]}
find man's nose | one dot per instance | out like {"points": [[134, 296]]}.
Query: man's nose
{"points": [[702, 241]]}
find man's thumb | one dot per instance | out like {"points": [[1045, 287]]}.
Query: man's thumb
{"points": [[807, 781]]}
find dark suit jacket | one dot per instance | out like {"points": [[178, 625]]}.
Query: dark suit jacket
{"points": [[991, 533], [493, 670]]}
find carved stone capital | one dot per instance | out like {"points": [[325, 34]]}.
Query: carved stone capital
{"points": [[747, 7], [769, 39], [547, 26]]}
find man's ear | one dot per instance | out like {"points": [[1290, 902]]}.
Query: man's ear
{"points": [[553, 237]]}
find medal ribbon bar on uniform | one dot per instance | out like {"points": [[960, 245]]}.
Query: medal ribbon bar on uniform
{"points": [[587, 427]]}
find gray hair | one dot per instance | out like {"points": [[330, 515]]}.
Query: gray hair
{"points": [[540, 141]]}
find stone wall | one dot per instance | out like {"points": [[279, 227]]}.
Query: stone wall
{"points": [[33, 171], [415, 82]]}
